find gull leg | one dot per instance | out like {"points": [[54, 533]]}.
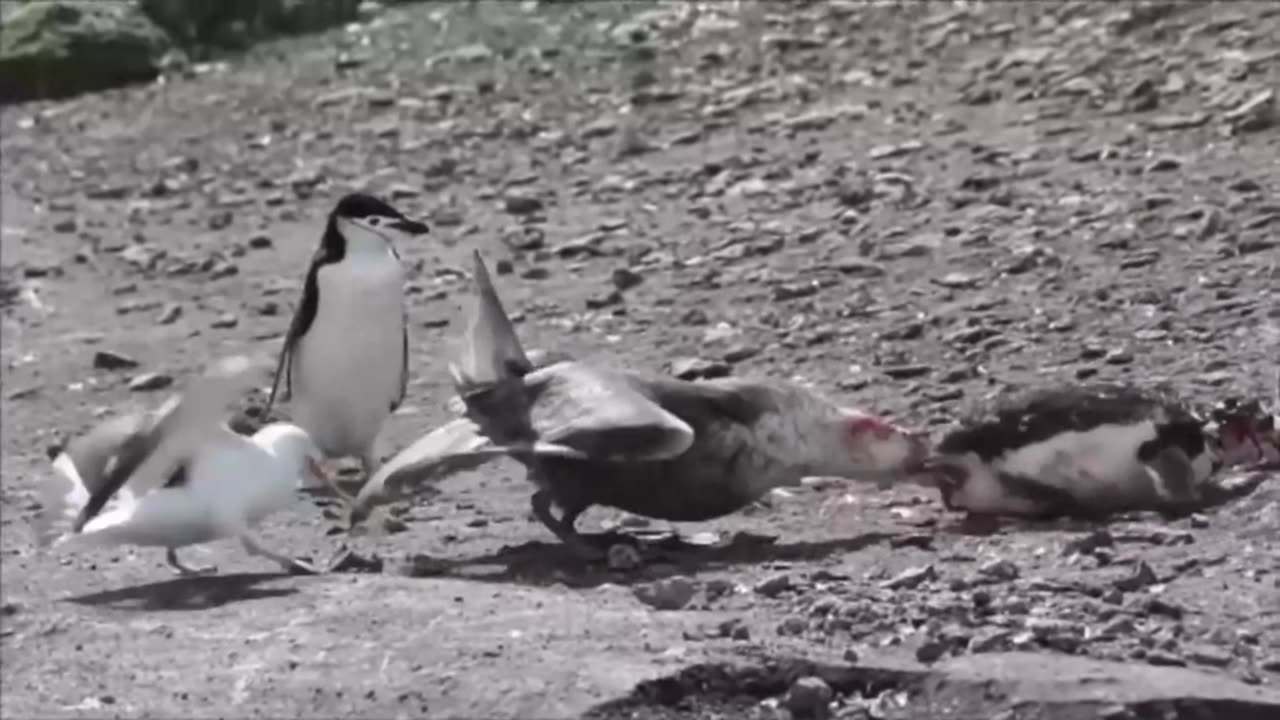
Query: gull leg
{"points": [[562, 527], [171, 556], [290, 565]]}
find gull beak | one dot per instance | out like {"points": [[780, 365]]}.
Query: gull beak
{"points": [[315, 476]]}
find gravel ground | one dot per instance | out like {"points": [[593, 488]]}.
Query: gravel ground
{"points": [[909, 205]]}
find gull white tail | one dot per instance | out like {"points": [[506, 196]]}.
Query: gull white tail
{"points": [[61, 498]]}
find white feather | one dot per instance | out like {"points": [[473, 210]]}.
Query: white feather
{"points": [[1088, 465], [233, 483]]}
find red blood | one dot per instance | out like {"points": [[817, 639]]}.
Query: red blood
{"points": [[870, 424]]}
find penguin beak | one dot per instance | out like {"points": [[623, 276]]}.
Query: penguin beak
{"points": [[409, 227]]}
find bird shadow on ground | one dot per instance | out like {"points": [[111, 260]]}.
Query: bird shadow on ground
{"points": [[191, 593], [540, 563]]}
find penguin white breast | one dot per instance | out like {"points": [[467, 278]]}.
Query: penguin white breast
{"points": [[1083, 462], [346, 369]]}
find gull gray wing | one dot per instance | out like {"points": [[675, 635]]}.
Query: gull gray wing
{"points": [[152, 450], [454, 447], [80, 471], [599, 414], [491, 350]]}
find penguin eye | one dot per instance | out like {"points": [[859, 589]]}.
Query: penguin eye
{"points": [[374, 221]]}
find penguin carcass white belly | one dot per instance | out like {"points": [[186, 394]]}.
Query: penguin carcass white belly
{"points": [[346, 368]]}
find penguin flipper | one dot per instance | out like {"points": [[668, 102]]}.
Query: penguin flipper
{"points": [[404, 364]]}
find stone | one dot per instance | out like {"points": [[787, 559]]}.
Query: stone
{"points": [[110, 360], [667, 594], [147, 382], [519, 202], [809, 697], [1000, 570], [1143, 576], [910, 578], [774, 586], [931, 651], [698, 368], [63, 49]]}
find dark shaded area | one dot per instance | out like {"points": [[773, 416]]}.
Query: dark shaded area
{"points": [[196, 593], [541, 563], [1016, 686]]}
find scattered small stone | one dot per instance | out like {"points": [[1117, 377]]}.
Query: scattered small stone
{"points": [[1117, 627], [1165, 659], [957, 280], [906, 372], [734, 629], [911, 578], [671, 593], [225, 321], [260, 241], [793, 625], [66, 225], [1116, 712], [169, 314], [718, 587], [774, 585], [1207, 655], [1143, 576], [739, 353], [989, 640], [1257, 113], [1158, 606], [698, 368], [1086, 544], [420, 566], [520, 202], [147, 382], [1000, 570], [111, 360], [604, 300], [809, 697], [851, 655], [931, 651], [625, 278], [921, 540]]}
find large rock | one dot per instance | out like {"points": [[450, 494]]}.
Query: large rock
{"points": [[237, 24], [58, 49]]}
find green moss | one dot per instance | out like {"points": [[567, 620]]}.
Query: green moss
{"points": [[59, 49]]}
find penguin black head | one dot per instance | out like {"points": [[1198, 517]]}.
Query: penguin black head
{"points": [[1244, 431], [363, 222]]}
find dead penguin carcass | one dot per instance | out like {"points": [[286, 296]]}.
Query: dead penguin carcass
{"points": [[650, 445], [1085, 451]]}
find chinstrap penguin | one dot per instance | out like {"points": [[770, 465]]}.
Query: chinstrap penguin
{"points": [[1083, 451], [345, 359], [650, 445]]}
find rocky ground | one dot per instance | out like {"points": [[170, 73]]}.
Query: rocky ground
{"points": [[911, 205]]}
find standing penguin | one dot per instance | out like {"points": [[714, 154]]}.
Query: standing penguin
{"points": [[346, 353]]}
